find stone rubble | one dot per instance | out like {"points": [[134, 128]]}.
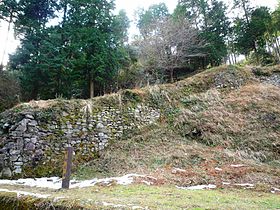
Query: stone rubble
{"points": [[274, 79]]}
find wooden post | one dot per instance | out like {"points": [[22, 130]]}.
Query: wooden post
{"points": [[67, 165]]}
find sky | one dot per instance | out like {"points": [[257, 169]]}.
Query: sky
{"points": [[10, 43]]}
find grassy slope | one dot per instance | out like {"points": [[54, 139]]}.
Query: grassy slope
{"points": [[203, 127]]}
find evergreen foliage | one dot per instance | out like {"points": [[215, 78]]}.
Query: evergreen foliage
{"points": [[80, 48], [78, 57], [9, 90]]}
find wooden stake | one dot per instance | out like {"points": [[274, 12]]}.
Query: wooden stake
{"points": [[67, 166]]}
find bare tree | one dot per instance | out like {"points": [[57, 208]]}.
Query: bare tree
{"points": [[171, 45]]}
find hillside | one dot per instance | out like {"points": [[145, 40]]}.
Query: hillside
{"points": [[218, 127], [212, 121]]}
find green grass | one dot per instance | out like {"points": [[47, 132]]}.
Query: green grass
{"points": [[162, 197], [171, 198]]}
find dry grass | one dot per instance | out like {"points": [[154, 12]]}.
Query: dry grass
{"points": [[158, 151], [231, 119], [201, 124], [266, 71]]}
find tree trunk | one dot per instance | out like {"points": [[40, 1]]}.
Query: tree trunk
{"points": [[7, 39], [35, 91], [277, 48], [171, 75], [233, 58], [65, 10], [64, 13], [274, 47], [245, 11], [256, 52], [268, 47], [91, 87], [203, 63], [229, 59]]}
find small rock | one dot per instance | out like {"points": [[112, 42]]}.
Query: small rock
{"points": [[34, 140], [40, 152], [18, 163], [26, 140], [30, 146], [6, 126], [27, 135], [65, 114], [6, 173], [14, 158], [29, 116], [18, 170], [33, 129], [22, 127], [33, 123], [101, 135], [15, 152], [99, 126]]}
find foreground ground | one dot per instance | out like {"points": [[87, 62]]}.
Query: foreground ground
{"points": [[139, 197]]}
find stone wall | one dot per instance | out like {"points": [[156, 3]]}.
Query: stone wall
{"points": [[33, 139]]}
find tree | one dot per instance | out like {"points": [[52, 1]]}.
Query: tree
{"points": [[216, 32], [91, 41], [193, 10], [260, 20], [30, 23], [171, 47], [120, 27], [273, 32], [245, 6], [210, 18], [132, 73], [77, 57], [251, 36], [147, 18]]}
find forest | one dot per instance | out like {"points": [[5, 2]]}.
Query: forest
{"points": [[80, 48]]}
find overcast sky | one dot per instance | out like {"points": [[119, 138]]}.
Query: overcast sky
{"points": [[128, 5]]}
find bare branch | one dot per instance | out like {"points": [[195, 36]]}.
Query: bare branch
{"points": [[172, 44]]}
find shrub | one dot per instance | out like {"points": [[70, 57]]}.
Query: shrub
{"points": [[261, 58]]}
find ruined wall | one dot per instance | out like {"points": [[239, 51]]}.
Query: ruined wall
{"points": [[34, 136]]}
